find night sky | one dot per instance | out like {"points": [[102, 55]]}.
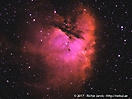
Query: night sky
{"points": [[54, 49]]}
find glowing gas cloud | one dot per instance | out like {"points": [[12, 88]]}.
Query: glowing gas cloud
{"points": [[66, 47]]}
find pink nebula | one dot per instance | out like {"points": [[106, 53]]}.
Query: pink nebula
{"points": [[67, 58]]}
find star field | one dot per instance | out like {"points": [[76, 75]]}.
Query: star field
{"points": [[33, 32]]}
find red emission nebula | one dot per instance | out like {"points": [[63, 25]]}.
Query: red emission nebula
{"points": [[66, 48]]}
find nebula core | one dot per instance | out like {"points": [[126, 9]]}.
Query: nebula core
{"points": [[65, 46]]}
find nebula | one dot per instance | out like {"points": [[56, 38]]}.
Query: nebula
{"points": [[65, 45]]}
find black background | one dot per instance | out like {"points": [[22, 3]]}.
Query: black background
{"points": [[113, 65]]}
